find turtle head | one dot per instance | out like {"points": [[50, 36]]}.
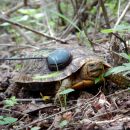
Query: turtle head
{"points": [[93, 69]]}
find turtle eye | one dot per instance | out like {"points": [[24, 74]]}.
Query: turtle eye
{"points": [[91, 65]]}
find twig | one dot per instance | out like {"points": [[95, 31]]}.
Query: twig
{"points": [[20, 5], [25, 2], [27, 38], [23, 58], [45, 118], [125, 45], [39, 108], [122, 15], [43, 3], [34, 31], [40, 120], [20, 46], [118, 21], [104, 48], [118, 12], [110, 121], [24, 35], [118, 92], [30, 100], [104, 13], [78, 16], [105, 113], [17, 112]]}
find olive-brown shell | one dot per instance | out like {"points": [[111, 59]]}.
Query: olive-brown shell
{"points": [[38, 71]]}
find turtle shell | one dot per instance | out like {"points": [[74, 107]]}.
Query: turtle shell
{"points": [[37, 70]]}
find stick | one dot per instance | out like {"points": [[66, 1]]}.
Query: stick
{"points": [[34, 31]]}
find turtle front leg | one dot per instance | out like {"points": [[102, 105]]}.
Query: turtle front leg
{"points": [[82, 84], [62, 85]]}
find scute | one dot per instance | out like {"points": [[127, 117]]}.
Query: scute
{"points": [[38, 71]]}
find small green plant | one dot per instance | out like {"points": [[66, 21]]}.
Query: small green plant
{"points": [[63, 123], [100, 78], [64, 94], [66, 91], [18, 67], [118, 28], [10, 102], [125, 67], [7, 120]]}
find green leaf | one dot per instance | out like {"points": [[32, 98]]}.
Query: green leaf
{"points": [[97, 80], [127, 72], [1, 117], [118, 28], [3, 123], [127, 65], [122, 27], [35, 128], [10, 102], [118, 69], [38, 15], [113, 70], [27, 11], [18, 67], [21, 19], [63, 123], [10, 120], [66, 91], [7, 120], [125, 56], [4, 24], [107, 31]]}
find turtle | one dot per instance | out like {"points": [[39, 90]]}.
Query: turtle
{"points": [[80, 73]]}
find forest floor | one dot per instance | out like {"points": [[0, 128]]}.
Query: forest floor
{"points": [[84, 111]]}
